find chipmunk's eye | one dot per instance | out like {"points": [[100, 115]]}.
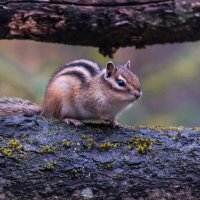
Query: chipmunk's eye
{"points": [[121, 83]]}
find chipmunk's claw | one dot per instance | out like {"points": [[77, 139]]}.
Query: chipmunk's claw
{"points": [[74, 122], [115, 124]]}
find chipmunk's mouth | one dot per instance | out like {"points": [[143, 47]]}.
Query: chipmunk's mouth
{"points": [[131, 99], [134, 96]]}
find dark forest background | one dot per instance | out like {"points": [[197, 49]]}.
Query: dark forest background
{"points": [[170, 77]]}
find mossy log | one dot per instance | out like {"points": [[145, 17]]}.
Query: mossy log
{"points": [[100, 23], [42, 159]]}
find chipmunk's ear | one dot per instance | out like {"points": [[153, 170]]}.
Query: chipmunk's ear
{"points": [[128, 64], [110, 68]]}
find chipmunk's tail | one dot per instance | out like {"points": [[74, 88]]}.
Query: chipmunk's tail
{"points": [[14, 106]]}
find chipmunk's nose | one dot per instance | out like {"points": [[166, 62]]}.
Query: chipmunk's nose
{"points": [[138, 94]]}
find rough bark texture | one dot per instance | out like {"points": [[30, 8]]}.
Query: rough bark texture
{"points": [[100, 23], [50, 160], [41, 159]]}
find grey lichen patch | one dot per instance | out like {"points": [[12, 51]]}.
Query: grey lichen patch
{"points": [[87, 193], [106, 166], [119, 176]]}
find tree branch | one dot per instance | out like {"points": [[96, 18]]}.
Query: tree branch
{"points": [[47, 159], [100, 23]]}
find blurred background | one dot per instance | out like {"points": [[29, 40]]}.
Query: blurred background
{"points": [[169, 74]]}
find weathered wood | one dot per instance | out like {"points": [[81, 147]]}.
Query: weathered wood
{"points": [[100, 23], [42, 159]]}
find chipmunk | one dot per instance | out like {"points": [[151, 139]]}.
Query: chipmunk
{"points": [[82, 90]]}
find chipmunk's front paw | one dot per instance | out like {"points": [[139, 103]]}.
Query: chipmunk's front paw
{"points": [[74, 122], [117, 125]]}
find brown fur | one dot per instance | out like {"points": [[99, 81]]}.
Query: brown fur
{"points": [[53, 102], [14, 106], [82, 92], [69, 96]]}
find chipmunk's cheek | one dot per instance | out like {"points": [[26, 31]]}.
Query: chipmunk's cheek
{"points": [[131, 98]]}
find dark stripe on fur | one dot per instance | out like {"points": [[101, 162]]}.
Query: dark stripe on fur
{"points": [[80, 76], [110, 86], [86, 66]]}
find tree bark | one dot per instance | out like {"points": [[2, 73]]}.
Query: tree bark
{"points": [[42, 159], [100, 23]]}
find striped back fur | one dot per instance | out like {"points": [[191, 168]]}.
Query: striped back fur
{"points": [[83, 70]]}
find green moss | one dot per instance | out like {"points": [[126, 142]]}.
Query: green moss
{"points": [[14, 145], [160, 128], [76, 171], [107, 145], [66, 143], [130, 146], [6, 151], [143, 145], [91, 143], [51, 165], [48, 149]]}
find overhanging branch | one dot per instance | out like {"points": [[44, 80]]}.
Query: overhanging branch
{"points": [[104, 24]]}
